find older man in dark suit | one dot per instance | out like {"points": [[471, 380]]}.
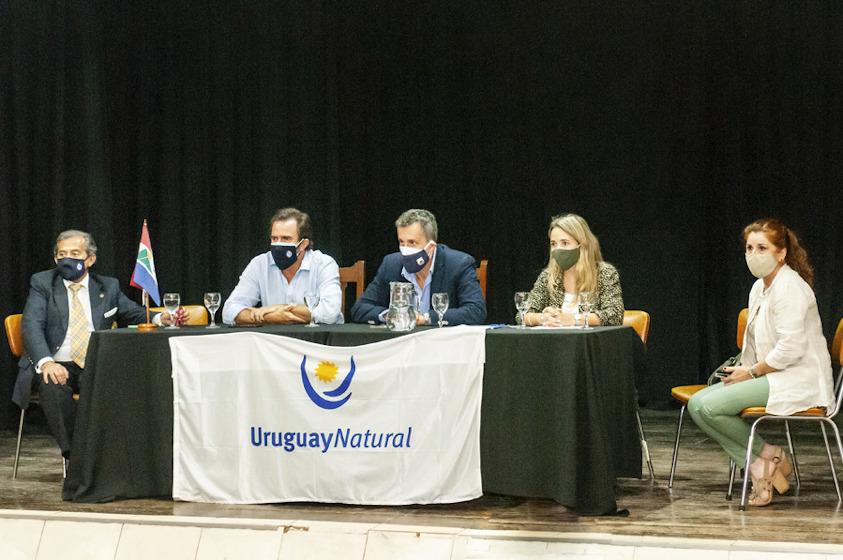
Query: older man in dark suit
{"points": [[432, 268], [64, 305]]}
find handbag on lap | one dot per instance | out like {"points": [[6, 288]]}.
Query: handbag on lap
{"points": [[719, 374]]}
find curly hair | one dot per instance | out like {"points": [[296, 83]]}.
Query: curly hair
{"points": [[784, 238]]}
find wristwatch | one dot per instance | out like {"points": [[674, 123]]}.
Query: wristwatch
{"points": [[751, 372]]}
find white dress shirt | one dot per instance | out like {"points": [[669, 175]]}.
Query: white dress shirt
{"points": [[84, 295], [262, 283]]}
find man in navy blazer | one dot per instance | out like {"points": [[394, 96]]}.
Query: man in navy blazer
{"points": [[47, 334], [432, 268]]}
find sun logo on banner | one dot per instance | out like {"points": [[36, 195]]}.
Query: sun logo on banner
{"points": [[326, 372]]}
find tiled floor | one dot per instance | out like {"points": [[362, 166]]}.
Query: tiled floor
{"points": [[63, 535]]}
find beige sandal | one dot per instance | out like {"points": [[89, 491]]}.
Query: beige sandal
{"points": [[762, 487]]}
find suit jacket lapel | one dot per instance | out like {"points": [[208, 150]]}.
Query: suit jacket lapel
{"points": [[97, 302], [439, 271], [60, 299]]}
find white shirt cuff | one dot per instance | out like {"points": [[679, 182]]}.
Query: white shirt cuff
{"points": [[41, 362]]}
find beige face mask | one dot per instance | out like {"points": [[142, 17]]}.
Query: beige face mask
{"points": [[761, 265]]}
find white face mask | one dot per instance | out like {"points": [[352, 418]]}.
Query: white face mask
{"points": [[761, 265]]}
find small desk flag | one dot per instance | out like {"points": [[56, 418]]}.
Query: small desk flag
{"points": [[143, 276]]}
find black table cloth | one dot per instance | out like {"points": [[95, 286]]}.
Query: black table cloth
{"points": [[557, 416]]}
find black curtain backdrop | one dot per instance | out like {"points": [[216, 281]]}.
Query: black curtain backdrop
{"points": [[667, 125]]}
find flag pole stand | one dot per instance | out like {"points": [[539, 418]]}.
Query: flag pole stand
{"points": [[149, 325]]}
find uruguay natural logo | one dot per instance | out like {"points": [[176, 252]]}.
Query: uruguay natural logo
{"points": [[326, 372]]}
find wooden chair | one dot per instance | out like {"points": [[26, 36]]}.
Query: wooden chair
{"points": [[741, 327], [836, 346], [481, 275], [683, 394], [198, 314], [816, 414], [354, 274], [640, 322], [14, 334]]}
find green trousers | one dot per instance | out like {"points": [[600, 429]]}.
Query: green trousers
{"points": [[716, 411]]}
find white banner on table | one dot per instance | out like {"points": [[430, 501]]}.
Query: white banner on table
{"points": [[261, 418]]}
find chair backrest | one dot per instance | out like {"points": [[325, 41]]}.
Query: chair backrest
{"points": [[742, 326], [198, 314], [14, 334], [837, 345], [838, 388], [354, 274], [481, 275], [638, 320]]}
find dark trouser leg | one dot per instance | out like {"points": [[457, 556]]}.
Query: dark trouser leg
{"points": [[60, 408]]}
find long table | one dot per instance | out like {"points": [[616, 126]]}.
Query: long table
{"points": [[557, 416]]}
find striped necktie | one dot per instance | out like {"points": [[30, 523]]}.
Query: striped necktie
{"points": [[79, 333]]}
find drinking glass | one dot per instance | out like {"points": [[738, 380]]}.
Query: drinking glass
{"points": [[522, 304], [311, 299], [172, 301], [585, 303], [212, 302], [440, 304]]}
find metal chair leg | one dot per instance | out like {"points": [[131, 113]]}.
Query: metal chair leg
{"points": [[745, 486], [837, 435], [644, 445], [732, 468], [831, 463], [793, 456], [17, 446], [676, 447], [793, 459]]}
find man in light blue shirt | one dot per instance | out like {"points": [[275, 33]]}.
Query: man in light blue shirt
{"points": [[273, 285]]}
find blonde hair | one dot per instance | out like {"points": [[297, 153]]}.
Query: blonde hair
{"points": [[590, 255]]}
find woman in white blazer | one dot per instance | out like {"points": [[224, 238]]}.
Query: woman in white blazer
{"points": [[785, 364]]}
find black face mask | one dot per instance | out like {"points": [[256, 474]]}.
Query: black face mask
{"points": [[566, 258], [413, 259], [71, 269], [284, 254]]}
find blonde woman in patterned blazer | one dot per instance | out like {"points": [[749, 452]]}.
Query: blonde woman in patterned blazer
{"points": [[575, 266]]}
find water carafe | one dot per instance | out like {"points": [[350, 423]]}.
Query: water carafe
{"points": [[401, 315]]}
